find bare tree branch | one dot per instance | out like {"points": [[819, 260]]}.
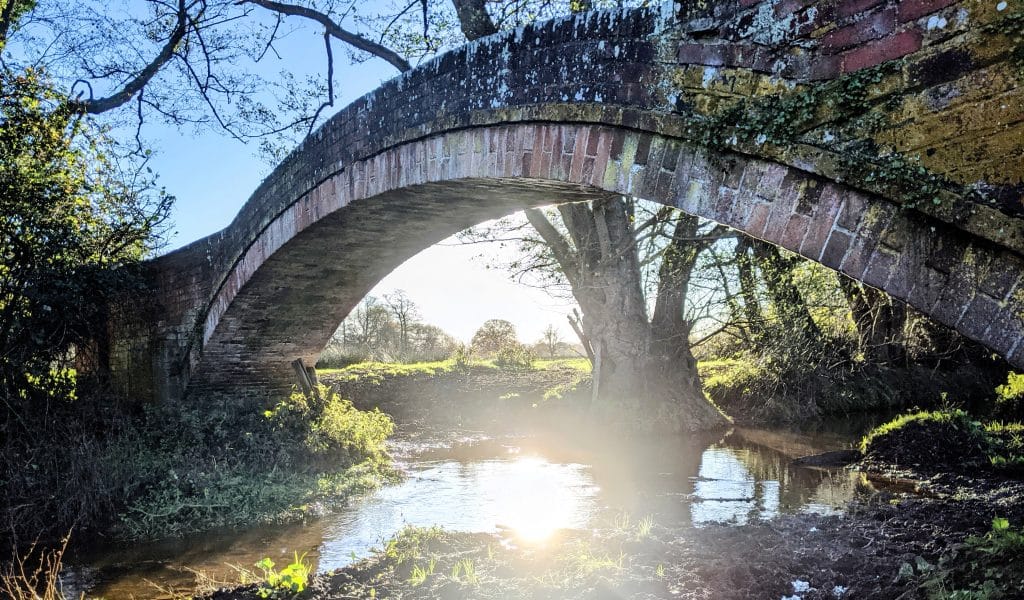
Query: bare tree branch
{"points": [[558, 244], [335, 30], [330, 84], [135, 85]]}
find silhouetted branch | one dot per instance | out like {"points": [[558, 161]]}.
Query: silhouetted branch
{"points": [[335, 30]]}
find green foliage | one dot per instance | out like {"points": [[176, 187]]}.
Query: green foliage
{"points": [[1002, 444], [1010, 398], [1006, 445], [184, 468], [845, 103], [289, 581], [781, 118], [419, 575], [958, 419], [730, 374], [465, 571], [343, 433], [515, 357], [987, 567], [494, 336], [413, 543], [73, 218], [376, 373]]}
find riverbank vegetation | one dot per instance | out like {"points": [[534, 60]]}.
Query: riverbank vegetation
{"points": [[167, 471]]}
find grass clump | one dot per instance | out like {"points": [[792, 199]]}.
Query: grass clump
{"points": [[946, 438], [928, 439], [375, 373], [1007, 445], [580, 363]]}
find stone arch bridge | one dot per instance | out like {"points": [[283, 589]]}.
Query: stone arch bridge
{"points": [[881, 138]]}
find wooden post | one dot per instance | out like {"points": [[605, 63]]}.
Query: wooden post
{"points": [[306, 377]]}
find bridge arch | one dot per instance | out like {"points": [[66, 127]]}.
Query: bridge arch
{"points": [[568, 110], [309, 267]]}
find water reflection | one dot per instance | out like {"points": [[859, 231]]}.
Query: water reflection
{"points": [[527, 488], [527, 495]]}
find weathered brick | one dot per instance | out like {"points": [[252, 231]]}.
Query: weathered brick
{"points": [[854, 206], [712, 55], [911, 262], [953, 300], [879, 51], [848, 8], [875, 220], [758, 220], [980, 315], [821, 224], [928, 286], [793, 235], [909, 10], [879, 268], [1007, 270], [835, 250], [872, 27]]}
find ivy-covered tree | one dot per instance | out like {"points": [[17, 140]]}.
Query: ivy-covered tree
{"points": [[74, 219]]}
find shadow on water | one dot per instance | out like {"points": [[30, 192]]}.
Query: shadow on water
{"points": [[527, 487]]}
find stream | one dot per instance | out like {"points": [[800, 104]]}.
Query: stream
{"points": [[527, 487]]}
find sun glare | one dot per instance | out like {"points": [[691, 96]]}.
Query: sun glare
{"points": [[538, 500]]}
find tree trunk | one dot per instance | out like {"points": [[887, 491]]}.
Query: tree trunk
{"points": [[748, 287], [879, 320], [473, 19], [670, 361], [786, 298], [644, 377]]}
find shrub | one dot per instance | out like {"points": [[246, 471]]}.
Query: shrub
{"points": [[343, 432], [1010, 398], [329, 430], [515, 357]]}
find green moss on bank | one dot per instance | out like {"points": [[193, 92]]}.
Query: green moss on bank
{"points": [[929, 440]]}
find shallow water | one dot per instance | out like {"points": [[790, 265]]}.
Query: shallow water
{"points": [[527, 488]]}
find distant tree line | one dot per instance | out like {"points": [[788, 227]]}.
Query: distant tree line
{"points": [[387, 329]]}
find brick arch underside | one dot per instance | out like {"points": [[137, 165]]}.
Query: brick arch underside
{"points": [[312, 264]]}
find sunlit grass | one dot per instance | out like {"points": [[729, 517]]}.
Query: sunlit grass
{"points": [[579, 364], [377, 372], [956, 418]]}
